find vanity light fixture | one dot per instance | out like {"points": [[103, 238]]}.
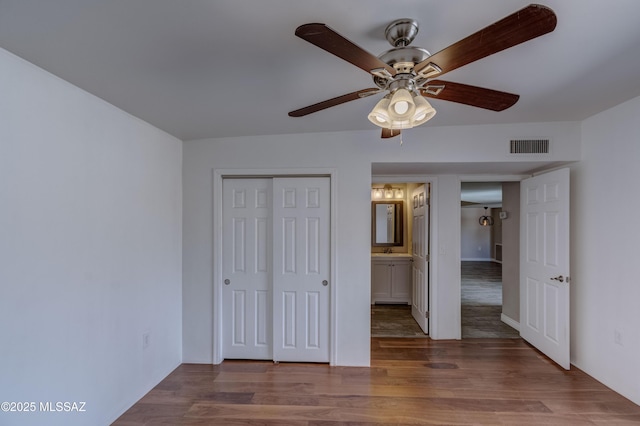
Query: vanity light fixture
{"points": [[387, 192]]}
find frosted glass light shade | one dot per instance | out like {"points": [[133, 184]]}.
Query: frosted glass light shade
{"points": [[424, 111], [401, 106], [401, 124], [402, 110], [379, 115]]}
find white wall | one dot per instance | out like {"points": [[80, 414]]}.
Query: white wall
{"points": [[90, 250], [271, 152], [604, 233], [351, 154], [475, 239]]}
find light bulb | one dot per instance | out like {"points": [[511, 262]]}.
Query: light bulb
{"points": [[401, 106]]}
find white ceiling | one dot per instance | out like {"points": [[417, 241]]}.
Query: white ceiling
{"points": [[487, 194], [223, 68]]}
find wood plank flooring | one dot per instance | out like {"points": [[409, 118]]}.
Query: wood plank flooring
{"points": [[481, 309], [394, 321], [410, 382]]}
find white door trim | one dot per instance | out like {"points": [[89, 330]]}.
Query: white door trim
{"points": [[218, 175], [477, 178]]}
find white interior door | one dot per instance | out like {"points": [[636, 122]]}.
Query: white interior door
{"points": [[544, 264], [301, 287], [420, 248], [246, 263]]}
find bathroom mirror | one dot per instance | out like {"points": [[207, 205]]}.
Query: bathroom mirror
{"points": [[386, 223]]}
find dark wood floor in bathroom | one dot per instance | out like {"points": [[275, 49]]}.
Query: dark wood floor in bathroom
{"points": [[394, 321]]}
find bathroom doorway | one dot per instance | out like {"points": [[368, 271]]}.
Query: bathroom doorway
{"points": [[400, 271]]}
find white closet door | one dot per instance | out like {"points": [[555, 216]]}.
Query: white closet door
{"points": [[246, 263], [301, 287]]}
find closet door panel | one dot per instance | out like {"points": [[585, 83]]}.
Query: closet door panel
{"points": [[301, 285], [247, 241]]}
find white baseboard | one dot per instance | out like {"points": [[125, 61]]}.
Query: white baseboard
{"points": [[477, 259], [510, 322]]}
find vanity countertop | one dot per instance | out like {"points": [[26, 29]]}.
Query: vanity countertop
{"points": [[407, 255]]}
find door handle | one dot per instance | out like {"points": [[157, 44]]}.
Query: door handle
{"points": [[227, 281], [325, 283], [558, 278]]}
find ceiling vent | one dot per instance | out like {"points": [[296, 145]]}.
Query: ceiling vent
{"points": [[529, 146]]}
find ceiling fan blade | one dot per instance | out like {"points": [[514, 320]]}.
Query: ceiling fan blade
{"points": [[326, 38], [469, 95], [333, 102], [390, 133], [526, 24]]}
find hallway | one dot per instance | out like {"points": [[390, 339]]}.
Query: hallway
{"points": [[482, 301]]}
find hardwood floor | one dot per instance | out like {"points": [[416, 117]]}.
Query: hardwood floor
{"points": [[481, 308], [411, 381], [481, 289], [394, 321]]}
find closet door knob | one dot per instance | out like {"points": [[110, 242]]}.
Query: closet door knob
{"points": [[325, 283], [227, 282]]}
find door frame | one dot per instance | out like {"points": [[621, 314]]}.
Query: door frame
{"points": [[217, 249], [489, 178], [479, 178], [433, 235]]}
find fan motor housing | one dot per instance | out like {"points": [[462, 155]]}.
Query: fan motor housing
{"points": [[400, 33], [402, 59]]}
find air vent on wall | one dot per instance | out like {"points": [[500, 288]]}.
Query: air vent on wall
{"points": [[529, 146]]}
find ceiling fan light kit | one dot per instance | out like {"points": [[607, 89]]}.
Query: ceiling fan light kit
{"points": [[402, 108], [404, 73]]}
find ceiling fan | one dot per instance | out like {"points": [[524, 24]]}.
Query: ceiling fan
{"points": [[406, 74]]}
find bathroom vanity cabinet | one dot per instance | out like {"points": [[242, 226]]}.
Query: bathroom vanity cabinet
{"points": [[391, 279]]}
